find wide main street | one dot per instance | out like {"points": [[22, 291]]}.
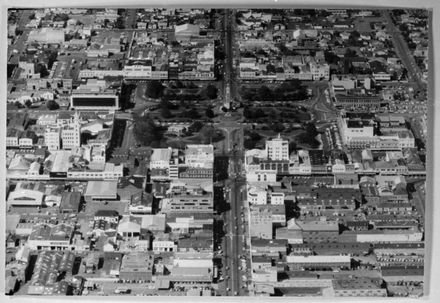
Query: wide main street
{"points": [[404, 52]]}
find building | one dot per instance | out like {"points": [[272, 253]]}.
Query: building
{"points": [[71, 134], [94, 96], [51, 237], [260, 225], [319, 231], [188, 203], [277, 149], [358, 287], [52, 138], [46, 36], [26, 198], [268, 247], [101, 191], [320, 261], [51, 270], [70, 202], [137, 267], [199, 156]]}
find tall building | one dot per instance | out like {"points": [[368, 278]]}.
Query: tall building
{"points": [[71, 134], [277, 149], [52, 138]]}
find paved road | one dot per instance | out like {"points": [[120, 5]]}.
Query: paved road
{"points": [[235, 225], [236, 234], [404, 52]]}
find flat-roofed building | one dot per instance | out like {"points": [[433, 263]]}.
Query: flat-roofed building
{"points": [[191, 275], [277, 149], [101, 191], [319, 231], [95, 95], [70, 202], [200, 155], [358, 287], [52, 138], [160, 158], [320, 261], [188, 203], [137, 267]]}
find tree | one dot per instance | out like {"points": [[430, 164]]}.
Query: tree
{"points": [[270, 68], [195, 127], [265, 93], [52, 105], [249, 144], [308, 137], [192, 114], [209, 113], [165, 109], [42, 70], [119, 23], [146, 131], [51, 56], [349, 53], [331, 57], [277, 127], [259, 113], [211, 91], [154, 89], [247, 113], [61, 17], [165, 112]]}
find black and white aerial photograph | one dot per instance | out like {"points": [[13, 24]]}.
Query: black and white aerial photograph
{"points": [[241, 152]]}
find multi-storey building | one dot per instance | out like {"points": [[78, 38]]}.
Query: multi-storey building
{"points": [[277, 149]]}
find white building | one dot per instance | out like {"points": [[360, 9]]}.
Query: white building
{"points": [[199, 155], [160, 158], [52, 138], [47, 119], [277, 149], [256, 195], [268, 176], [320, 71], [276, 198], [164, 245]]}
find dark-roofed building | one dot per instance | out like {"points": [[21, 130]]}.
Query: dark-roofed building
{"points": [[268, 247], [357, 225], [47, 236], [112, 264], [137, 266], [50, 268], [141, 203], [403, 273], [298, 291], [196, 244], [319, 231], [70, 202], [353, 248], [338, 199], [105, 219], [130, 186]]}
